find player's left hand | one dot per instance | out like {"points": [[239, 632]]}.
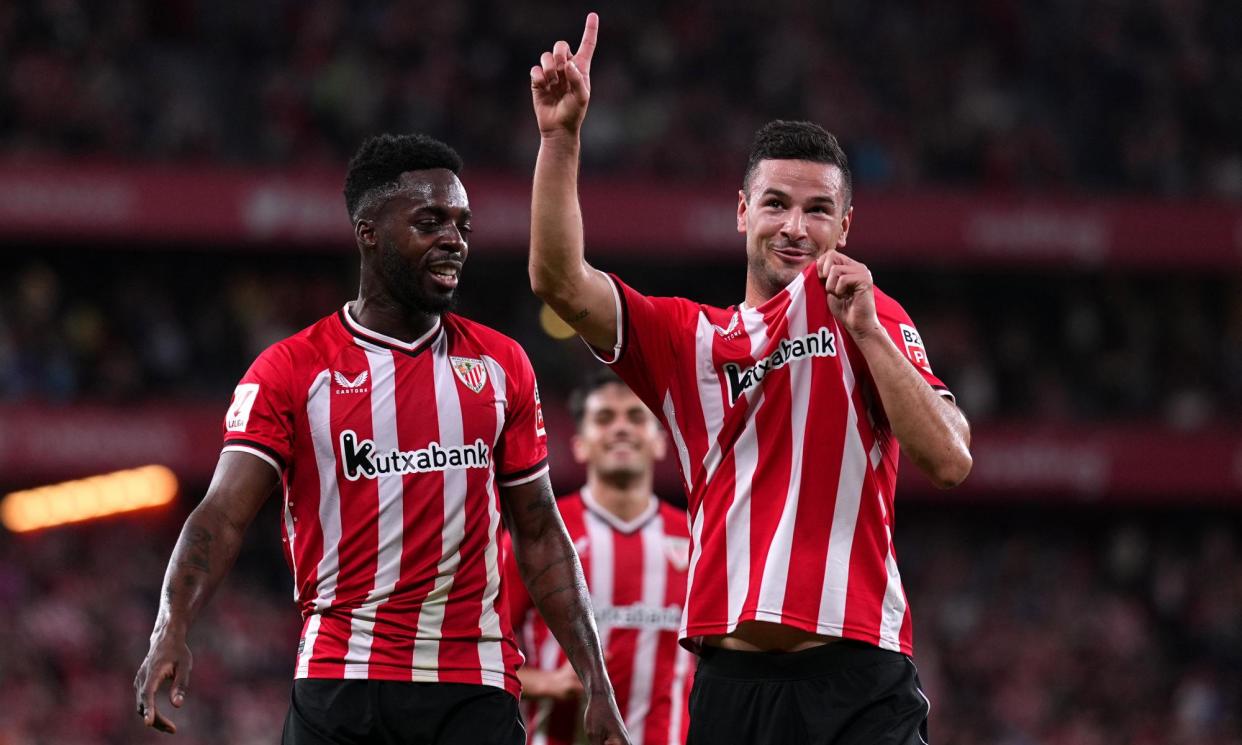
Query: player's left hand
{"points": [[603, 721], [850, 293]]}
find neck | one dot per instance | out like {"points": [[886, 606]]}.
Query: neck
{"points": [[378, 311], [625, 500]]}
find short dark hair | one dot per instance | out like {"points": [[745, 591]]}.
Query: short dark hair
{"points": [[785, 140], [375, 170], [598, 379]]}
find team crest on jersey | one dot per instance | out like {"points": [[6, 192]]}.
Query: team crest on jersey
{"points": [[677, 551], [470, 371], [347, 384], [914, 347]]}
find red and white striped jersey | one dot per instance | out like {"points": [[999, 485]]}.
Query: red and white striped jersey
{"points": [[786, 456], [636, 574], [391, 455]]}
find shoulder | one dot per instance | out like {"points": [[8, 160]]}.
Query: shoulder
{"points": [[485, 339], [886, 306], [299, 357]]}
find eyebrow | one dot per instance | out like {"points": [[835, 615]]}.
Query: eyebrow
{"points": [[438, 211], [819, 199]]}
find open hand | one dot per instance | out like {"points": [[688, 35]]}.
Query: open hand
{"points": [[560, 85]]}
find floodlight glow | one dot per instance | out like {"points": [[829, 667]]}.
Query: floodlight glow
{"points": [[88, 499]]}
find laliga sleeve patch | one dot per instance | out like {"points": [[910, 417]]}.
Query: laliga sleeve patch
{"points": [[239, 412], [914, 347], [540, 430]]}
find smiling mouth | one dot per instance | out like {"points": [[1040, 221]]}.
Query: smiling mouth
{"points": [[445, 274]]}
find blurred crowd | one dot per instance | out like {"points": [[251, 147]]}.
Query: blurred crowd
{"points": [[1116, 95], [1025, 633], [1035, 346]]}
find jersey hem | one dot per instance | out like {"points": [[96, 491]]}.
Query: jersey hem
{"points": [[618, 349], [690, 636], [490, 678]]}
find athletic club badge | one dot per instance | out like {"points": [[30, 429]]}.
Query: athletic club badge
{"points": [[677, 551], [470, 371]]}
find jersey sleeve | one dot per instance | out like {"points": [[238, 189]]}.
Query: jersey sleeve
{"points": [[260, 419], [646, 351], [897, 323], [523, 446]]}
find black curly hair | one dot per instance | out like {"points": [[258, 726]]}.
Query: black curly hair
{"points": [[376, 168], [786, 140]]}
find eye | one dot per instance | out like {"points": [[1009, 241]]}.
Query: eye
{"points": [[465, 228], [427, 226], [773, 203]]}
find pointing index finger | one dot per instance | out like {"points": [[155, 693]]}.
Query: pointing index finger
{"points": [[586, 47]]}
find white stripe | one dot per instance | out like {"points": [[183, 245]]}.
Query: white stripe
{"points": [[601, 582], [776, 564], [431, 615], [236, 448], [647, 646], [893, 609], [696, 544], [291, 533], [491, 656], [319, 419], [549, 659], [854, 466], [683, 454], [710, 396], [745, 460], [389, 519]]}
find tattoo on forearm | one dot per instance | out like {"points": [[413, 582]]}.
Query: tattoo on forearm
{"points": [[198, 548], [580, 315]]}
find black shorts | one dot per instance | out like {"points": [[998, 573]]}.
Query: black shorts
{"points": [[844, 693], [382, 712]]}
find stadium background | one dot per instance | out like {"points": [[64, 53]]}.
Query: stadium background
{"points": [[1053, 190]]}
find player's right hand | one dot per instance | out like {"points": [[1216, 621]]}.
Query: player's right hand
{"points": [[168, 658], [560, 85], [604, 725]]}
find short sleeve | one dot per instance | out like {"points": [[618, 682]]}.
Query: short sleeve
{"points": [[523, 446], [261, 417], [901, 328], [646, 350]]}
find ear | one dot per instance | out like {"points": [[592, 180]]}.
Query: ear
{"points": [[364, 233], [579, 449], [741, 211], [845, 226]]}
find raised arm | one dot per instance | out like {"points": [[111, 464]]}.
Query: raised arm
{"points": [[931, 430], [553, 575], [204, 553], [560, 87]]}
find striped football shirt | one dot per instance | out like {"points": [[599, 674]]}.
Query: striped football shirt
{"points": [[391, 456], [786, 455], [636, 575]]}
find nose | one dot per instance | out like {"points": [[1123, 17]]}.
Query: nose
{"points": [[795, 225], [454, 240]]}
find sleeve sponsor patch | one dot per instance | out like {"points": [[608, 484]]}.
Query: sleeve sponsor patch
{"points": [[239, 412], [914, 347], [540, 429]]}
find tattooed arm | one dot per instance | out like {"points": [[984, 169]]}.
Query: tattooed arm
{"points": [[553, 576], [204, 553]]}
